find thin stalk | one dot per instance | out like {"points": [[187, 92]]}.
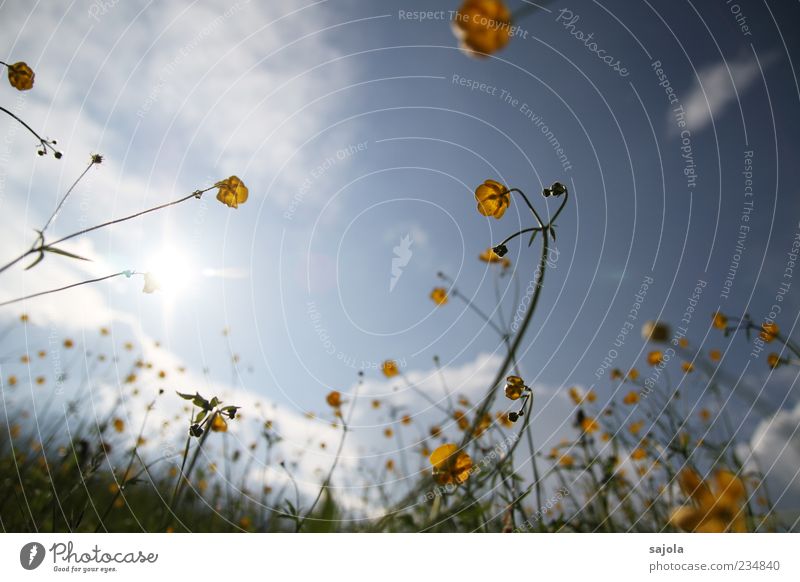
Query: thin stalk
{"points": [[43, 142], [40, 293], [64, 199]]}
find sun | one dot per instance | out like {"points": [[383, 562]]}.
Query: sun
{"points": [[173, 270]]}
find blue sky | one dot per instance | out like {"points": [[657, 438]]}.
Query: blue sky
{"points": [[352, 128]]}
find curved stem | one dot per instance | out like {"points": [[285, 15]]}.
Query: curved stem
{"points": [[44, 143], [490, 395], [523, 231], [195, 194], [530, 206], [43, 247], [40, 293]]}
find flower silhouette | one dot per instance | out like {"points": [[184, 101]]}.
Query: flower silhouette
{"points": [[21, 76]]}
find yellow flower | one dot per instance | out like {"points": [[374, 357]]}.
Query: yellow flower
{"points": [[590, 396], [493, 199], [719, 321], [683, 342], [489, 256], [636, 427], [631, 398], [575, 396], [514, 387], [774, 360], [40, 380], [687, 367], [376, 404], [566, 461], [389, 368], [705, 415], [450, 465], [461, 419], [334, 399], [388, 432], [504, 420], [439, 295], [638, 454], [12, 380], [484, 423], [482, 26], [616, 374], [21, 76], [655, 331], [119, 424], [218, 424], [68, 343], [714, 355], [655, 357], [435, 431], [633, 374], [769, 331], [406, 419], [390, 465], [589, 425], [713, 508], [232, 192]]}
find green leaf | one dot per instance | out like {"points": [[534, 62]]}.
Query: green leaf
{"points": [[36, 262], [200, 416], [64, 253]]}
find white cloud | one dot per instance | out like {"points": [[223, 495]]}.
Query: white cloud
{"points": [[776, 447], [714, 93]]}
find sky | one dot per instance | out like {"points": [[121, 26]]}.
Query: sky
{"points": [[362, 132]]}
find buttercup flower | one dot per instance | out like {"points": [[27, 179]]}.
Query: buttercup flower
{"points": [[655, 357], [334, 399], [769, 331], [482, 26], [633, 374], [450, 465], [655, 331], [687, 367], [461, 419], [714, 508], [589, 425], [389, 368], [21, 76], [638, 454], [714, 355], [219, 424], [514, 387], [774, 360], [493, 199], [489, 256], [631, 398], [232, 192], [719, 321], [439, 295]]}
